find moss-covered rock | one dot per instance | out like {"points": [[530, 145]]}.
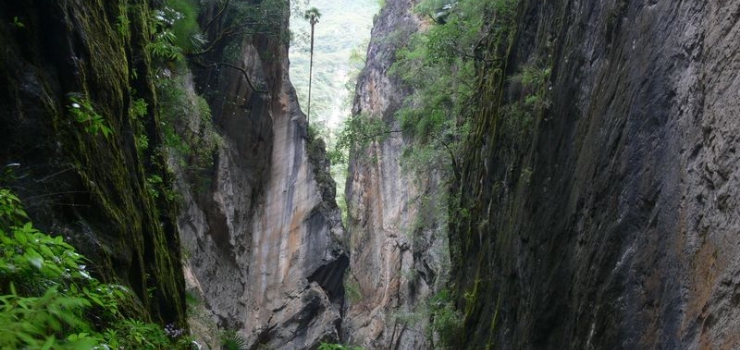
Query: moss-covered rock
{"points": [[88, 186]]}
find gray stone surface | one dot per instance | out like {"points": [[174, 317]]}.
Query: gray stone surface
{"points": [[626, 235], [394, 266], [265, 249]]}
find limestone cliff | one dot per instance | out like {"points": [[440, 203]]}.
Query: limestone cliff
{"points": [[89, 187], [396, 262], [614, 226], [264, 237]]}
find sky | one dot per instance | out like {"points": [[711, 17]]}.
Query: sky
{"points": [[344, 26]]}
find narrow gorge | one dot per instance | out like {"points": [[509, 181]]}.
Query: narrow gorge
{"points": [[520, 174]]}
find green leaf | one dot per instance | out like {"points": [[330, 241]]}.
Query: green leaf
{"points": [[52, 271], [46, 251], [49, 343], [21, 237], [34, 260]]}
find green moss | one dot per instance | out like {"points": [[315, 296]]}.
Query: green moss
{"points": [[352, 288], [477, 231], [134, 234], [316, 149], [491, 330]]}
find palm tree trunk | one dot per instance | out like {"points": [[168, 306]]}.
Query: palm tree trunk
{"points": [[310, 77]]}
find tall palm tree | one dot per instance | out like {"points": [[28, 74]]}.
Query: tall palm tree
{"points": [[312, 15]]}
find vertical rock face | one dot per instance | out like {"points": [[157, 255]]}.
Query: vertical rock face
{"points": [[80, 184], [625, 234], [393, 267], [265, 239]]}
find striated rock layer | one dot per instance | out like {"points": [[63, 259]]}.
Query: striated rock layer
{"points": [[623, 233], [395, 262], [264, 239]]}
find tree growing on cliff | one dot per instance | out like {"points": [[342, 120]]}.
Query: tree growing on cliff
{"points": [[312, 15]]}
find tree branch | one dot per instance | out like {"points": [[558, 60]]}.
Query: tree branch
{"points": [[217, 16], [242, 70], [246, 76], [225, 34]]}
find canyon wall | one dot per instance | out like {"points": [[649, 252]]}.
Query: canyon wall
{"points": [[85, 185], [614, 226], [396, 262], [260, 231], [264, 238]]}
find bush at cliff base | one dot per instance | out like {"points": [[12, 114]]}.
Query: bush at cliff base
{"points": [[48, 300]]}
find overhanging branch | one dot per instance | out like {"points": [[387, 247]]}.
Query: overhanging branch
{"points": [[242, 70]]}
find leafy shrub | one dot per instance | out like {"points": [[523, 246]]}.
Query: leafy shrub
{"points": [[137, 112], [183, 15], [330, 346], [187, 128], [48, 299], [37, 322], [11, 212], [84, 113], [446, 320], [175, 31]]}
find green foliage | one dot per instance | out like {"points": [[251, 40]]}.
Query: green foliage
{"points": [[17, 22], [358, 132], [84, 113], [235, 20], [444, 67], [175, 31], [187, 129], [518, 116], [11, 212], [534, 80], [163, 45], [230, 340], [138, 109], [263, 17], [153, 182], [123, 22], [43, 322], [439, 64], [316, 148], [352, 288], [48, 299], [137, 113], [312, 15], [35, 262], [331, 346], [446, 320], [135, 334], [182, 20]]}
